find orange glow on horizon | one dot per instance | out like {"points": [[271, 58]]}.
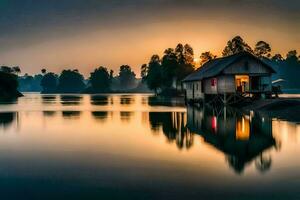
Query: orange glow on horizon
{"points": [[87, 50]]}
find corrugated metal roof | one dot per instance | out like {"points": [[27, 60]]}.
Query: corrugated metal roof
{"points": [[216, 66]]}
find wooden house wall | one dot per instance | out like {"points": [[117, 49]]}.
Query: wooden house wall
{"points": [[247, 65], [208, 88], [197, 87], [226, 84]]}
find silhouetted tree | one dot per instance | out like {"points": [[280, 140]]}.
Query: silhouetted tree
{"points": [[188, 54], [144, 71], [43, 71], [28, 83], [262, 49], [289, 70], [100, 80], [12, 70], [16, 69], [185, 66], [6, 69], [206, 56], [169, 67], [8, 84], [49, 83], [111, 75], [179, 52], [175, 65], [70, 81], [126, 77], [236, 45], [154, 74], [292, 55], [277, 57]]}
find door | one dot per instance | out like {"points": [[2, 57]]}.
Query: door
{"points": [[242, 83]]}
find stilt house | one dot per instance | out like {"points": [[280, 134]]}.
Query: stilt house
{"points": [[238, 75]]}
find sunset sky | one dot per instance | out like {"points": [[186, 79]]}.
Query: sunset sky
{"points": [[84, 34]]}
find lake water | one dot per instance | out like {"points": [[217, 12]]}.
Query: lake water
{"points": [[140, 147]]}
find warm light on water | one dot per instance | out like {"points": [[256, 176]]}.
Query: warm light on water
{"points": [[132, 146]]}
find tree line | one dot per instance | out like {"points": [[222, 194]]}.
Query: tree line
{"points": [[166, 73], [163, 74], [72, 81]]}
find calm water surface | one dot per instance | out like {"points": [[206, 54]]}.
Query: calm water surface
{"points": [[139, 147]]}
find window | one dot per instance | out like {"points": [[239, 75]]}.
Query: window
{"points": [[213, 82], [196, 86]]}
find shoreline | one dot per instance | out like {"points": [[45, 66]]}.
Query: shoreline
{"points": [[284, 108]]}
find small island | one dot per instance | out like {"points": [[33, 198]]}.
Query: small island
{"points": [[9, 83]]}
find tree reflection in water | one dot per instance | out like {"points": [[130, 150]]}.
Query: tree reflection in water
{"points": [[70, 99], [48, 99], [165, 101], [126, 100], [71, 114], [49, 113], [243, 138], [173, 125], [99, 100], [125, 116], [100, 116], [6, 119]]}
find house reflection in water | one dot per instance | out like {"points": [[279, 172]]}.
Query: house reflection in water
{"points": [[242, 128], [173, 125], [242, 138]]}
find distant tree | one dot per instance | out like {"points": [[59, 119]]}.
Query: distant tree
{"points": [[44, 71], [185, 61], [8, 84], [12, 70], [277, 57], [176, 64], [206, 56], [28, 83], [49, 83], [16, 69], [289, 70], [292, 55], [236, 45], [126, 77], [262, 49], [111, 75], [180, 54], [188, 54], [100, 80], [170, 67], [6, 69], [187, 67], [28, 79], [70, 81], [144, 71], [37, 82], [154, 75]]}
